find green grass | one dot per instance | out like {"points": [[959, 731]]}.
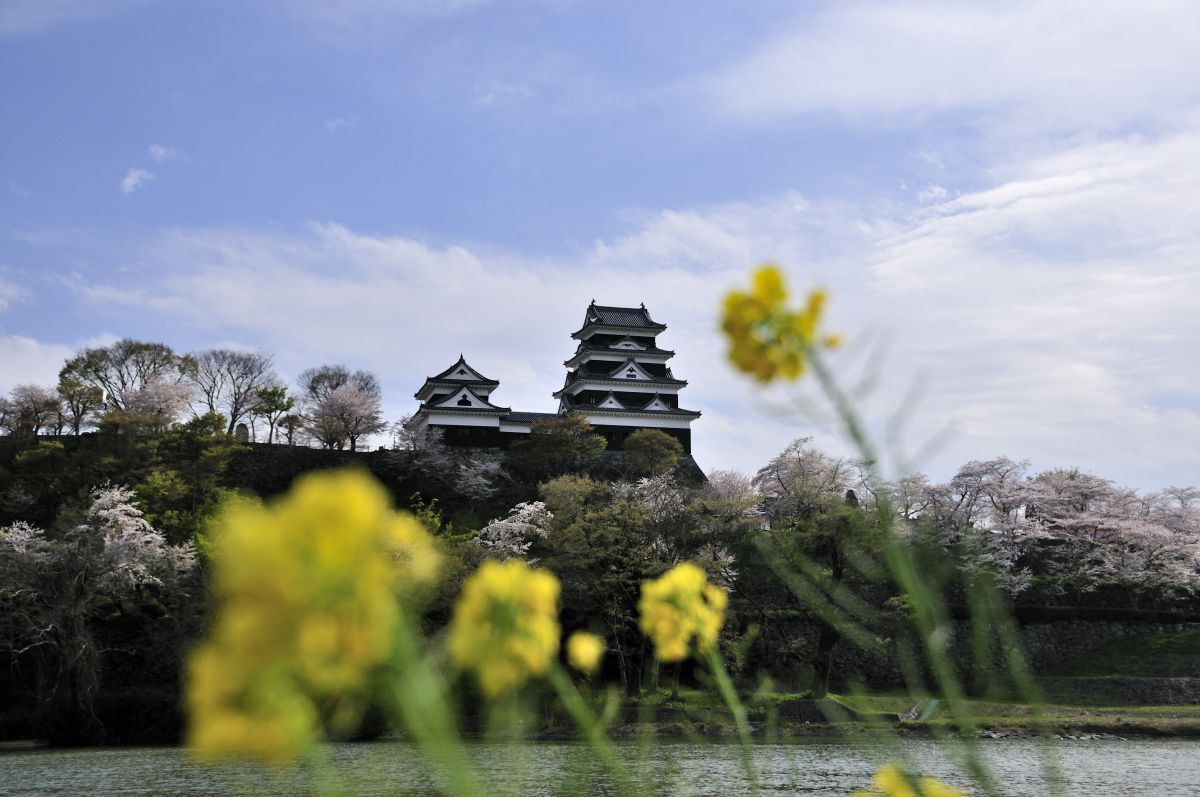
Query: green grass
{"points": [[1183, 720], [1151, 656]]}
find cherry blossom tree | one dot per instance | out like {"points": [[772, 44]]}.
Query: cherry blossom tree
{"points": [[1086, 530], [54, 588], [29, 409], [125, 368], [480, 476], [511, 536], [801, 479], [156, 404], [341, 407]]}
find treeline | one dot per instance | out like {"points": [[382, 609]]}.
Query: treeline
{"points": [[104, 536], [149, 386], [802, 542], [104, 542]]}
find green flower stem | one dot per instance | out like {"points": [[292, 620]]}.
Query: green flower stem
{"points": [[725, 686], [417, 698], [928, 609], [591, 727]]}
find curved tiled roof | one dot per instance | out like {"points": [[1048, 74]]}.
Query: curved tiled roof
{"points": [[628, 317], [462, 363]]}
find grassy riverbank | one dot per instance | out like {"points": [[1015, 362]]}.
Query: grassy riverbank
{"points": [[692, 713], [1057, 719]]}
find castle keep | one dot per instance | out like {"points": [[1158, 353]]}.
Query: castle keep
{"points": [[618, 378]]}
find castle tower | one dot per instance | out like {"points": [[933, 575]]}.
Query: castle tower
{"points": [[458, 404], [456, 401], [619, 379]]}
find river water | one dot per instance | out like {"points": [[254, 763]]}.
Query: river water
{"points": [[1095, 768]]}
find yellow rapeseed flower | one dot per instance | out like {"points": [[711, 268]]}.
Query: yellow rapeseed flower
{"points": [[307, 594], [892, 781], [679, 607], [505, 625], [766, 339], [584, 651]]}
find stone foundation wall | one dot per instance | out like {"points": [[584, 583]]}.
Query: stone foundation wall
{"points": [[1047, 645]]}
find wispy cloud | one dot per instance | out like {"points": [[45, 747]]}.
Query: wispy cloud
{"points": [[9, 292], [135, 179], [1045, 64], [1052, 311], [161, 154], [336, 124]]}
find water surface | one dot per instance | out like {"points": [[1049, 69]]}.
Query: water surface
{"points": [[1164, 768]]}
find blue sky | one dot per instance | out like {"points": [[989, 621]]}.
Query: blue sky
{"points": [[1003, 199]]}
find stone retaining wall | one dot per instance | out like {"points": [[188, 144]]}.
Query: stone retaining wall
{"points": [[1123, 691]]}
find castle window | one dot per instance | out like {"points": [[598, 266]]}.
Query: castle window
{"points": [[464, 402]]}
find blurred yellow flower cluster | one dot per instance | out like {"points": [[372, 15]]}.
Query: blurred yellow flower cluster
{"points": [[681, 606], [891, 781], [766, 339], [584, 651], [307, 591], [505, 625]]}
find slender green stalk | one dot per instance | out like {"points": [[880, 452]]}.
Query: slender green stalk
{"points": [[932, 622], [716, 666], [418, 698], [833, 609], [1022, 676], [592, 727], [325, 780]]}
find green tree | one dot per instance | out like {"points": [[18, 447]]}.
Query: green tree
{"points": [[818, 562], [271, 404], [556, 447], [601, 547], [651, 452]]}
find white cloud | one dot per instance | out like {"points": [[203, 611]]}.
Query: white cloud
{"points": [[26, 360], [931, 192], [161, 154], [335, 124], [135, 179], [1054, 315], [9, 292], [1033, 64]]}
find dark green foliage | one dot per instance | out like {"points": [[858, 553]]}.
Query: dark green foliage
{"points": [[651, 452], [556, 447], [821, 568], [179, 474], [601, 547]]}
